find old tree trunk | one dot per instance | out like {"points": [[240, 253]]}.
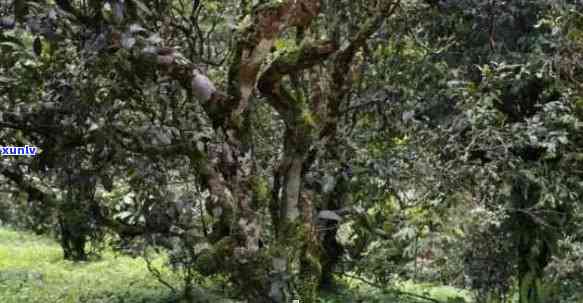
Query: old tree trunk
{"points": [[293, 258], [305, 83]]}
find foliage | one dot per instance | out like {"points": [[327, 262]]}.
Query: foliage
{"points": [[279, 147]]}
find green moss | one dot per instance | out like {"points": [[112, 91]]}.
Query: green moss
{"points": [[310, 269], [308, 119], [290, 230], [214, 260], [293, 54], [312, 261], [261, 191], [234, 70], [206, 263]]}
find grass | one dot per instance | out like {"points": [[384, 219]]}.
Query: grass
{"points": [[441, 293], [32, 270], [351, 290]]}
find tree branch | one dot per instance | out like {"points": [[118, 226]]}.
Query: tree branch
{"points": [[290, 62]]}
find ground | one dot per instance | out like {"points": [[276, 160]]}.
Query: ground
{"points": [[32, 270]]}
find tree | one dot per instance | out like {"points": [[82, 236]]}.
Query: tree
{"points": [[507, 139], [298, 54]]}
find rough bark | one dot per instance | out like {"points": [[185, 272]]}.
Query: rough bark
{"points": [[226, 169], [228, 175], [307, 121]]}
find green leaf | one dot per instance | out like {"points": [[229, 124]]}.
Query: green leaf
{"points": [[12, 45], [124, 215], [143, 7]]}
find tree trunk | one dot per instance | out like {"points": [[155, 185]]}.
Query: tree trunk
{"points": [[75, 215], [533, 258], [332, 249], [226, 168], [534, 252], [296, 240], [72, 239]]}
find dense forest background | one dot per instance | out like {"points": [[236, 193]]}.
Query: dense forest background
{"points": [[312, 150]]}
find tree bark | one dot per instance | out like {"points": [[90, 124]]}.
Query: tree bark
{"points": [[226, 168]]}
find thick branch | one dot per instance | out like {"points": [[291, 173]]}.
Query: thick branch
{"points": [[34, 193], [47, 201], [291, 62], [256, 41]]}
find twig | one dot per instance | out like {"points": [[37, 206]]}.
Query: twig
{"points": [[156, 273]]}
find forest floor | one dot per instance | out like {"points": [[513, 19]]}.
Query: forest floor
{"points": [[32, 270]]}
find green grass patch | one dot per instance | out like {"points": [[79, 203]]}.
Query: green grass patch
{"points": [[351, 290], [32, 270]]}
